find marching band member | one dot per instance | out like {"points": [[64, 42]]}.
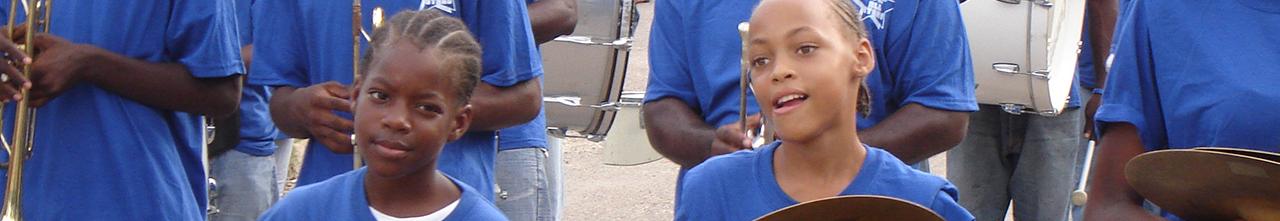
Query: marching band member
{"points": [[921, 88], [245, 168], [120, 87], [523, 167], [304, 56], [809, 61], [1174, 84], [423, 68]]}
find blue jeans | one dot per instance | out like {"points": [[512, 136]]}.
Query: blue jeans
{"points": [[524, 192], [246, 185], [1029, 159]]}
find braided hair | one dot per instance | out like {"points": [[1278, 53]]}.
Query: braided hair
{"points": [[457, 51], [848, 15]]}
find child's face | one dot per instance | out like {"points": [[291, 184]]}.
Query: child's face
{"points": [[806, 68], [406, 110]]}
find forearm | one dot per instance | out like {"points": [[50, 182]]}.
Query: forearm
{"points": [[502, 107], [677, 132], [552, 18], [1102, 25], [288, 123], [1108, 188], [914, 133], [164, 85]]}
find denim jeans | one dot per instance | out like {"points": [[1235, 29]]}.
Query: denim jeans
{"points": [[523, 188], [1029, 159], [246, 185]]}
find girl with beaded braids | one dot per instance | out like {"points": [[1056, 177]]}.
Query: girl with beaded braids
{"points": [[809, 61], [420, 72]]}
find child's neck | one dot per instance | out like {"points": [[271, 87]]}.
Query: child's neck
{"points": [[414, 195], [820, 167]]}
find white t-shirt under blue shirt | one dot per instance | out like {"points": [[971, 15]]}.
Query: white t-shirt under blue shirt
{"points": [[742, 186], [343, 198]]}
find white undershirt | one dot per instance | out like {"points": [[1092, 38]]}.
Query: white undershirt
{"points": [[438, 215]]}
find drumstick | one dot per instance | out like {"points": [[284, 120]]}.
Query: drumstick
{"points": [[1079, 196]]}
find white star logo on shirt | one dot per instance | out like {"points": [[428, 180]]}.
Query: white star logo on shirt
{"points": [[446, 6], [874, 10]]}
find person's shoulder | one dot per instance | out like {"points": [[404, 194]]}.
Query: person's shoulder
{"points": [[901, 178], [312, 200], [473, 206], [730, 164]]}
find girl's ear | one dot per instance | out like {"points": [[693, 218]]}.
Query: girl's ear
{"points": [[866, 58], [461, 122]]}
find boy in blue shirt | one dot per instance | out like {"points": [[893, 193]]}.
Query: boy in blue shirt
{"points": [[809, 64], [422, 68], [308, 57], [922, 86], [1174, 84], [120, 87]]}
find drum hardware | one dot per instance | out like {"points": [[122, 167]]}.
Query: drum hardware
{"points": [[624, 43], [1209, 183], [854, 207], [38, 18]]}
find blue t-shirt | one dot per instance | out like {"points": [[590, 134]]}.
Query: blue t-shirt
{"points": [[742, 186], [922, 57], [532, 134], [1193, 74], [343, 198], [98, 155], [257, 132], [310, 43]]}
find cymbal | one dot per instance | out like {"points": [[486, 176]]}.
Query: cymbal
{"points": [[854, 207], [1212, 184], [1273, 157]]}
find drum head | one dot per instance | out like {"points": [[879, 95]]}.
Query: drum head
{"points": [[849, 208], [1208, 184]]}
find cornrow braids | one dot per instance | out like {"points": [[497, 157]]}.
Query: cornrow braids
{"points": [[458, 52], [847, 13]]}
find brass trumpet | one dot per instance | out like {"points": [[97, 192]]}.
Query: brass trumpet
{"points": [[38, 17]]}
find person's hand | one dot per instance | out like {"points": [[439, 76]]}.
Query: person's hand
{"points": [[11, 79], [730, 137], [59, 65], [315, 105], [1090, 109]]}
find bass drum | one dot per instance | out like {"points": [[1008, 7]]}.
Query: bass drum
{"points": [[584, 73], [1024, 52]]}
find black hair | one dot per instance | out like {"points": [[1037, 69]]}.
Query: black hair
{"points": [[458, 52]]}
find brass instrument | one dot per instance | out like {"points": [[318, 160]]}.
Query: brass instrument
{"points": [[24, 120], [357, 30]]}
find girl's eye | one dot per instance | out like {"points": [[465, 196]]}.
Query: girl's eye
{"points": [[806, 49], [429, 108], [759, 61], [378, 95]]}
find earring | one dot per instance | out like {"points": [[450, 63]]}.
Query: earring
{"points": [[353, 140]]}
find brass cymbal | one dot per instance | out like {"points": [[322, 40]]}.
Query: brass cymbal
{"points": [[855, 207], [1212, 184], [1273, 157]]}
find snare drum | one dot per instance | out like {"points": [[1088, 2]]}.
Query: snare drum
{"points": [[1024, 52], [584, 72]]}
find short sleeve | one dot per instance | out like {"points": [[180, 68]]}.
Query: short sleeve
{"points": [[506, 37], [279, 53], [945, 205], [669, 74], [202, 36], [1131, 94], [697, 199], [931, 60]]}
